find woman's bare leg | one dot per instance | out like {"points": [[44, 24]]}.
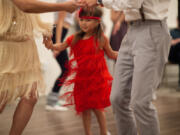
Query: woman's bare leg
{"points": [[2, 108], [3, 97], [101, 120], [23, 113], [86, 115]]}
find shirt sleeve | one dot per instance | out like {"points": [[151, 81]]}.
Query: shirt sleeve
{"points": [[120, 5], [69, 40], [59, 1]]}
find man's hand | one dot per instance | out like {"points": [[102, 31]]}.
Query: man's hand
{"points": [[89, 3], [81, 3]]}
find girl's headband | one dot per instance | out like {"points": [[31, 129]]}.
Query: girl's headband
{"points": [[88, 17]]}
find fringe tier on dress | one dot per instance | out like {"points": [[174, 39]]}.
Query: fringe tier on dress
{"points": [[19, 70]]}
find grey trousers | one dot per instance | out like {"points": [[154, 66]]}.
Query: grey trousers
{"points": [[138, 71]]}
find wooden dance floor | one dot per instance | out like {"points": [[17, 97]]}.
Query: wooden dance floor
{"points": [[67, 123]]}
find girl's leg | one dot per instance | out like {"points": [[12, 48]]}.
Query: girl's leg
{"points": [[23, 112], [102, 121], [86, 115]]}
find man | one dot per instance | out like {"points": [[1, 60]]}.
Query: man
{"points": [[139, 67]]}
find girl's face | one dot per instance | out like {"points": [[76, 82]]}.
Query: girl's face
{"points": [[88, 25]]}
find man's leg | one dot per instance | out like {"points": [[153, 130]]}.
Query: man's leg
{"points": [[151, 53], [121, 90], [148, 46]]}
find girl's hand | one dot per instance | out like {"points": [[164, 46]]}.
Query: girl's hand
{"points": [[48, 42], [55, 53]]}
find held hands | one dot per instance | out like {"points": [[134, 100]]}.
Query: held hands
{"points": [[48, 42], [57, 48], [71, 6], [86, 3]]}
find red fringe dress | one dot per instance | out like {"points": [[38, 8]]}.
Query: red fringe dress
{"points": [[92, 81]]}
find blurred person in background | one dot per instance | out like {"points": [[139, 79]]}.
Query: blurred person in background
{"points": [[118, 32], [174, 54], [62, 22]]}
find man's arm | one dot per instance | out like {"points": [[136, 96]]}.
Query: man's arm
{"points": [[116, 4], [36, 6]]}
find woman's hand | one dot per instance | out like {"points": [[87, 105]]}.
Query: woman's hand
{"points": [[89, 3], [48, 42], [81, 3], [71, 6]]}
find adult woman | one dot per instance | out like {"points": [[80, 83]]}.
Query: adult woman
{"points": [[20, 74]]}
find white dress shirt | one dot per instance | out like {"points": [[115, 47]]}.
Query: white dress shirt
{"points": [[153, 9]]}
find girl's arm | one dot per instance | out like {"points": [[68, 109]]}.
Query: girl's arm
{"points": [[37, 6], [108, 50], [59, 27], [58, 46]]}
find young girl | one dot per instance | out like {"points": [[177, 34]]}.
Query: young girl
{"points": [[92, 81]]}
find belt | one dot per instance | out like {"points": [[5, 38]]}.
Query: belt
{"points": [[139, 22]]}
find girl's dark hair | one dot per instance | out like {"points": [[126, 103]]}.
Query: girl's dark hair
{"points": [[98, 32]]}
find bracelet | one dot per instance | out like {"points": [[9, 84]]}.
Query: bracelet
{"points": [[99, 2]]}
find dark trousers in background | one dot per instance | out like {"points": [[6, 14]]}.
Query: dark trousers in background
{"points": [[62, 58]]}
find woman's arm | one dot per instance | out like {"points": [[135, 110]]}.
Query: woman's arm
{"points": [[108, 50], [36, 6], [59, 27]]}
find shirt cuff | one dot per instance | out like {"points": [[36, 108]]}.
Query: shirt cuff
{"points": [[111, 4]]}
